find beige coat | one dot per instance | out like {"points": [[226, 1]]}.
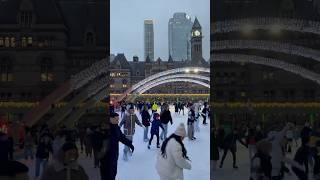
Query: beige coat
{"points": [[171, 167]]}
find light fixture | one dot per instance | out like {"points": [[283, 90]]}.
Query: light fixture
{"points": [[187, 70]]}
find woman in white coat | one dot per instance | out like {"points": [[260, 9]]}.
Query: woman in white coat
{"points": [[173, 158]]}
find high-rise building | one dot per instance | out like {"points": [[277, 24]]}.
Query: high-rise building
{"points": [[179, 31], [148, 39]]}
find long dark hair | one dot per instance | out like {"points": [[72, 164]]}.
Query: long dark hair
{"points": [[179, 140]]}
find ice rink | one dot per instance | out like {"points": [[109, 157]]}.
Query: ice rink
{"points": [[141, 166]]}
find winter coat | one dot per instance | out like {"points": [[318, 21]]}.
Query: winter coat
{"points": [[191, 117], [261, 166], [230, 141], [172, 166], [156, 124], [165, 117], [128, 123], [96, 140], [4, 148], [145, 116], [154, 107], [109, 161], [43, 150], [57, 170]]}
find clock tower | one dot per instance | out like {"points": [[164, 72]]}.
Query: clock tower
{"points": [[196, 42]]}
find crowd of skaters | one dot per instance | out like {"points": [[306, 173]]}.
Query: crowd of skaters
{"points": [[269, 151], [55, 152]]}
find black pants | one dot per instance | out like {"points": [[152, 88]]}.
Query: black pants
{"points": [[300, 174], [108, 172], [152, 134], [204, 119], [234, 156]]}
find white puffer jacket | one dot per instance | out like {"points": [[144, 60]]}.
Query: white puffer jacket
{"points": [[172, 166]]}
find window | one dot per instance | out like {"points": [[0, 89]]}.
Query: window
{"points": [[89, 38], [1, 42], [26, 18], [24, 42], [13, 42], [6, 70], [29, 42], [7, 42], [112, 74], [124, 85], [46, 70]]}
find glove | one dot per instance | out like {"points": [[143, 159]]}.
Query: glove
{"points": [[131, 147]]}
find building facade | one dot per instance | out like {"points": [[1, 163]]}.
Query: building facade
{"points": [[128, 73], [248, 92], [43, 43], [179, 36], [148, 39]]}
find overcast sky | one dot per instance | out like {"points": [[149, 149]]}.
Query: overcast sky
{"points": [[126, 24]]}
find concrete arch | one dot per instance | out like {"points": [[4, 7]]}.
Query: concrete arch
{"points": [[240, 58], [268, 46], [299, 25], [141, 91], [189, 76], [164, 73]]}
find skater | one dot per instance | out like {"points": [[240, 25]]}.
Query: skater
{"points": [[145, 116], [109, 161], [156, 124], [176, 107], [173, 157], [261, 162], [58, 143], [66, 166], [42, 155], [197, 116], [191, 120], [251, 141], [316, 167], [88, 143], [28, 146], [96, 146], [214, 150], [154, 107], [129, 121], [13, 170], [165, 118], [204, 113], [230, 144], [4, 150], [302, 157]]}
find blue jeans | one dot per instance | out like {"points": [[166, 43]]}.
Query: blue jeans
{"points": [[28, 151], [145, 134], [38, 163], [164, 132]]}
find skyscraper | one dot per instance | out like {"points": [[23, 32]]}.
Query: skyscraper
{"points": [[148, 40], [179, 30]]}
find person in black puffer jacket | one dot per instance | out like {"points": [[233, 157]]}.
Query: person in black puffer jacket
{"points": [[165, 118], [43, 150], [110, 150], [145, 121]]}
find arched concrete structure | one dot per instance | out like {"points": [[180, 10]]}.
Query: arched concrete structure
{"points": [[267, 23]]}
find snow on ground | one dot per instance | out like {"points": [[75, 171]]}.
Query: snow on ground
{"points": [[141, 166]]}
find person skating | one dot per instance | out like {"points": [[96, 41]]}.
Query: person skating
{"points": [[173, 158], [96, 146], [43, 152], [230, 144], [28, 145], [260, 168], [302, 157], [191, 120], [145, 116], [65, 167], [156, 124], [165, 118], [129, 121], [4, 150], [204, 113], [88, 143], [154, 107], [316, 167], [109, 160], [214, 150]]}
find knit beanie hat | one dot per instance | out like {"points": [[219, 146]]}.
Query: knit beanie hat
{"points": [[181, 130]]}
